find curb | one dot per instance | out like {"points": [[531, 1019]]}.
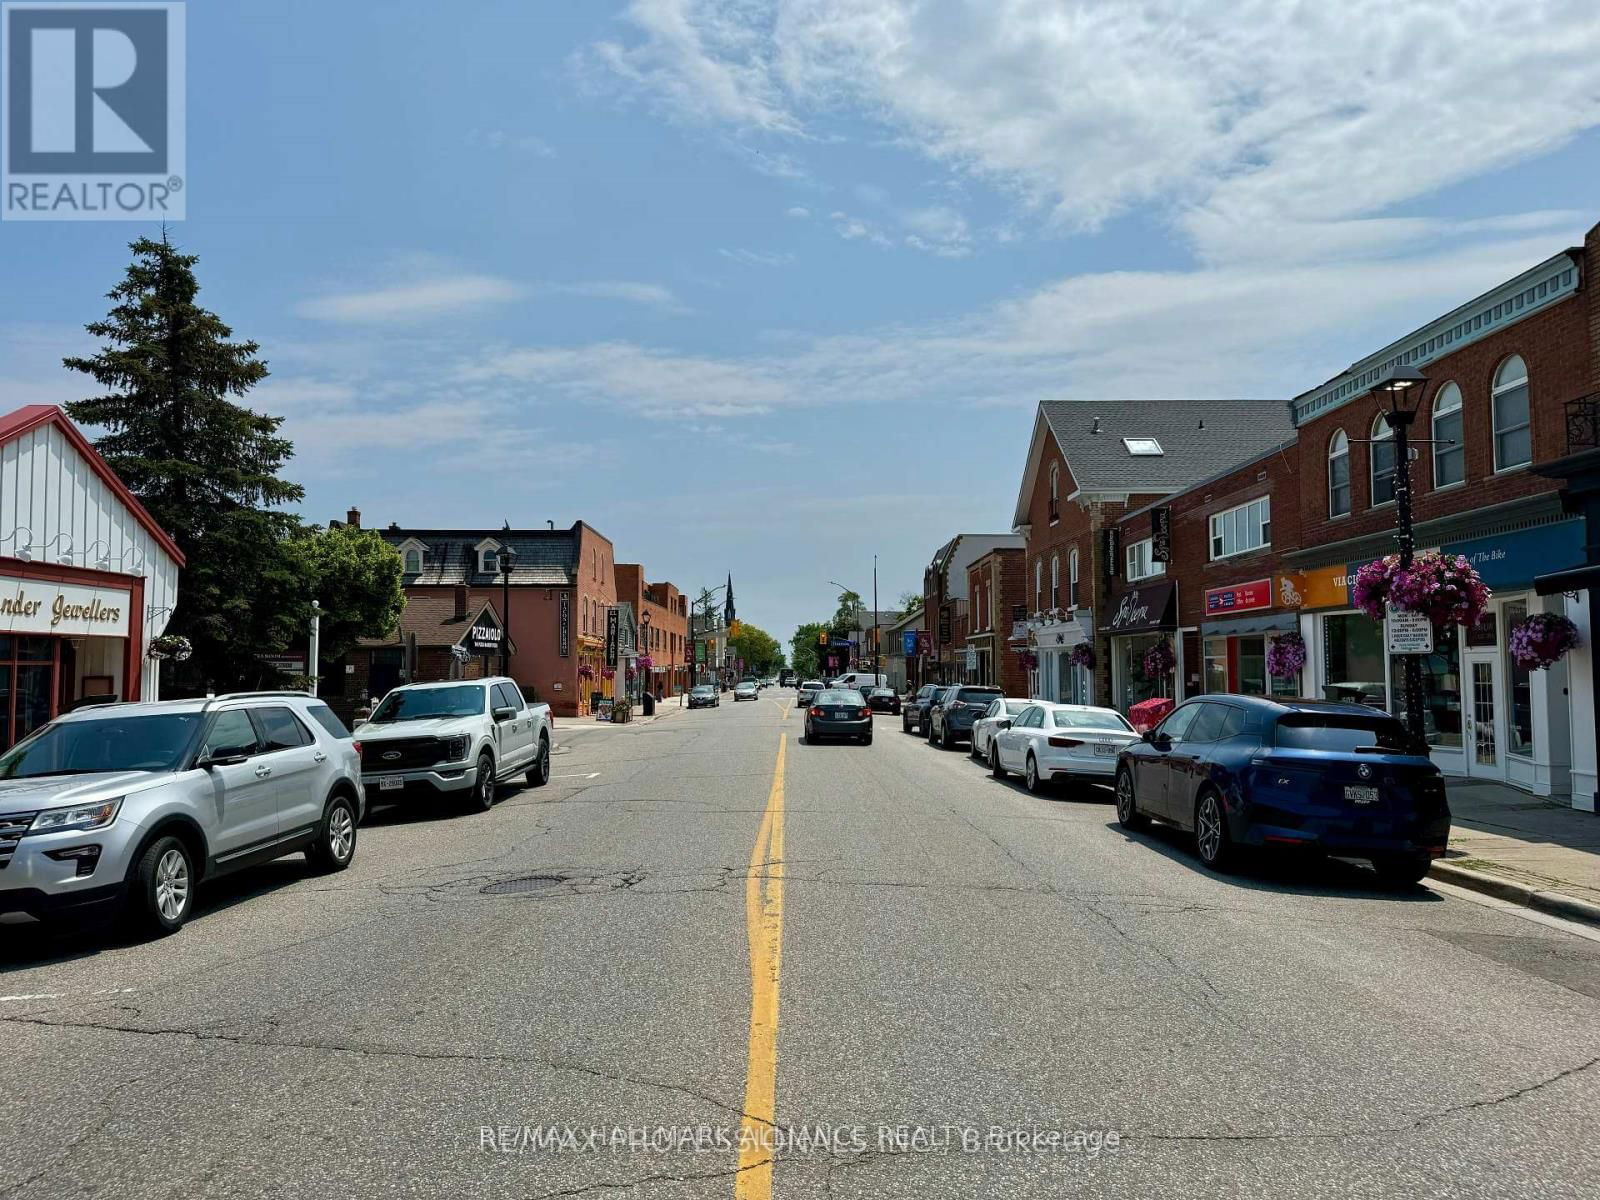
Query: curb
{"points": [[1556, 903]]}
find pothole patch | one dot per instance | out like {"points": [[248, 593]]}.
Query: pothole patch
{"points": [[523, 885]]}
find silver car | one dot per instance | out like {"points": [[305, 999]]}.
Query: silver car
{"points": [[129, 806]]}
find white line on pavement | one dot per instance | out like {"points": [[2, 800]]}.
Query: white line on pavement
{"points": [[60, 995], [590, 775]]}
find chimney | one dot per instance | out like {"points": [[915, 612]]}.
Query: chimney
{"points": [[353, 518], [461, 602]]}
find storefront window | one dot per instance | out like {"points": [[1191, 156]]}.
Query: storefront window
{"points": [[1253, 666], [1441, 689], [1520, 726], [1132, 683], [1216, 664], [1352, 648]]}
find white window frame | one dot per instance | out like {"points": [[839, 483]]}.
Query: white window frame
{"points": [[1140, 562], [1055, 581], [486, 548], [1339, 451], [1072, 578], [1054, 513], [1223, 521], [1501, 387], [413, 555], [1038, 584], [1446, 404], [1381, 432]]}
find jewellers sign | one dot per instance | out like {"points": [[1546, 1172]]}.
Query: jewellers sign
{"points": [[37, 606]]}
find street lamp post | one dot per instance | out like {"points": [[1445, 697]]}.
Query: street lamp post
{"points": [[857, 595], [1401, 388], [507, 559], [644, 648]]}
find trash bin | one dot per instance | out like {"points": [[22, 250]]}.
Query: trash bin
{"points": [[649, 703]]}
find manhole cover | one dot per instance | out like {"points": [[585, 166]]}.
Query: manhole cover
{"points": [[528, 883]]}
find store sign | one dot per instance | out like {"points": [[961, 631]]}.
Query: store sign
{"points": [[566, 624], [1241, 597], [1325, 587], [924, 642], [613, 635], [1145, 609], [944, 625], [286, 664], [1409, 632], [908, 643], [1513, 559], [485, 635], [972, 658], [1113, 552], [75, 609], [1161, 534]]}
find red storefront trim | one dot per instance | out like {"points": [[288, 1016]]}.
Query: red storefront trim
{"points": [[133, 648]]}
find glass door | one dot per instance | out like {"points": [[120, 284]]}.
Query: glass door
{"points": [[1483, 716]]}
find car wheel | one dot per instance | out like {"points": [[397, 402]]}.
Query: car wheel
{"points": [[1402, 870], [1211, 838], [867, 740], [1128, 814], [483, 787], [932, 740], [1031, 776], [162, 894], [905, 723], [539, 774], [994, 761], [335, 846], [945, 740]]}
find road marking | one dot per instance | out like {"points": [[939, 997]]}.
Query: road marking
{"points": [[764, 928], [61, 995], [590, 775]]}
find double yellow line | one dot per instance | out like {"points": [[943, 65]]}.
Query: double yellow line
{"points": [[764, 927]]}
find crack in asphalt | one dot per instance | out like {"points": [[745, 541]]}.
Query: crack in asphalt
{"points": [[663, 1177]]}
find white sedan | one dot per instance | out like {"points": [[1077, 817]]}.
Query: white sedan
{"points": [[995, 718], [745, 691], [1054, 741]]}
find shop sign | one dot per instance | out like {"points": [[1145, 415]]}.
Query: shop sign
{"points": [[485, 635], [944, 625], [1241, 597], [1325, 587], [972, 658], [908, 642], [39, 606], [286, 664], [566, 624], [1409, 632], [1144, 610], [1513, 559], [613, 635], [1113, 553], [924, 642], [1161, 534]]}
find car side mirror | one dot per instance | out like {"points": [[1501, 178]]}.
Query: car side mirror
{"points": [[1002, 724], [506, 713], [224, 756]]}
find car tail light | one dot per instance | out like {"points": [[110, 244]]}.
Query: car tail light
{"points": [[1065, 743], [816, 712], [357, 746], [865, 712]]}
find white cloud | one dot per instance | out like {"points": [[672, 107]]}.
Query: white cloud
{"points": [[500, 139], [651, 295], [799, 213], [758, 258], [412, 301]]}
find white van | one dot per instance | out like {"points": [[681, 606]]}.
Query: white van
{"points": [[861, 681]]}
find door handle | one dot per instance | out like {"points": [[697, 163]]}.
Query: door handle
{"points": [[319, 757], [263, 771]]}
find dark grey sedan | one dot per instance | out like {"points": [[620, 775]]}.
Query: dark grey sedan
{"points": [[839, 714]]}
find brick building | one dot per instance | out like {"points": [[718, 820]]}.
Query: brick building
{"points": [[662, 613], [1089, 464], [441, 635], [945, 602], [997, 603]]}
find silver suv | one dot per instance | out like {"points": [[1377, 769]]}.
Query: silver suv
{"points": [[131, 805]]}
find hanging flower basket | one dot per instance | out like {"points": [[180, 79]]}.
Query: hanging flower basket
{"points": [[1286, 656], [171, 645], [1539, 641], [646, 662], [1159, 660], [1443, 586], [1082, 656], [585, 671], [609, 672], [1030, 660]]}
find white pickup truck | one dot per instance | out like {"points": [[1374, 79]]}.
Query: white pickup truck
{"points": [[461, 738]]}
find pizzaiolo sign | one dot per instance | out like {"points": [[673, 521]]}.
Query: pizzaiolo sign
{"points": [[30, 606]]}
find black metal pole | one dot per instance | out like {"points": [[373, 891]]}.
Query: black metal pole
{"points": [[877, 642], [505, 620], [1400, 421]]}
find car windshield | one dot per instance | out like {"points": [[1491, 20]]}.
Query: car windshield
{"points": [[813, 685], [109, 743], [423, 703], [704, 690], [883, 691], [1078, 719], [1340, 733], [1013, 707]]}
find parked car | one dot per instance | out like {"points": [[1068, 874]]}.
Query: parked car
{"points": [[806, 694], [1061, 741], [704, 696], [458, 740], [860, 681], [884, 699], [952, 712], [125, 808], [746, 691], [837, 713], [996, 717], [1290, 774], [787, 678], [914, 709]]}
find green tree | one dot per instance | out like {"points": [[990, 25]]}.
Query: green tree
{"points": [[845, 617], [758, 648], [910, 602], [355, 576], [803, 648]]}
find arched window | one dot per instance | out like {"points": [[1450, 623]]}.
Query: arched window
{"points": [[1055, 581], [1038, 584], [586, 614], [1382, 462], [1449, 457], [1055, 492], [1513, 432], [413, 562], [1072, 578], [1339, 475]]}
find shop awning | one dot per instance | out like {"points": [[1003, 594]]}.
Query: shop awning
{"points": [[1243, 626], [1573, 579]]}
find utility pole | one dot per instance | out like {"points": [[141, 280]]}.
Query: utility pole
{"points": [[877, 645]]}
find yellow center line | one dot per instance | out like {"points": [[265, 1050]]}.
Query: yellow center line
{"points": [[764, 928]]}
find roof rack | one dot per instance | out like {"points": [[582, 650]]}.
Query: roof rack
{"points": [[257, 696]]}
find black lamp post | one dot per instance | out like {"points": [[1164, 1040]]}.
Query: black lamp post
{"points": [[644, 647], [507, 559], [1400, 389]]}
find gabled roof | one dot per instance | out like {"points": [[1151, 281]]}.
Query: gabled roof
{"points": [[545, 557], [35, 416], [1197, 438], [432, 617]]}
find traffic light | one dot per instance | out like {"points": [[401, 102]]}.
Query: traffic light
{"points": [[822, 637], [733, 629]]}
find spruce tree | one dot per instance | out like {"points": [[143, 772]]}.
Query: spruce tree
{"points": [[204, 465]]}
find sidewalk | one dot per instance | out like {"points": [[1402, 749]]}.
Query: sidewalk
{"points": [[1524, 849], [567, 726]]}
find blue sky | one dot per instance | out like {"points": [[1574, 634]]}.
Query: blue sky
{"points": [[772, 286]]}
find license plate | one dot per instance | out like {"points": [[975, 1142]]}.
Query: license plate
{"points": [[1360, 794], [1105, 749], [840, 716], [391, 784]]}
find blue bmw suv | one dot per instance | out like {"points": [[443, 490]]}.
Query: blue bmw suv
{"points": [[1333, 778]]}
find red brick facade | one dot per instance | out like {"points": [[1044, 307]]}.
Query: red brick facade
{"points": [[668, 612], [995, 586]]}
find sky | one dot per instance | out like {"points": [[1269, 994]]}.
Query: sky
{"points": [[772, 287]]}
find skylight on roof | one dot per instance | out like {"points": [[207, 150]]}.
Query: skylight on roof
{"points": [[1143, 446]]}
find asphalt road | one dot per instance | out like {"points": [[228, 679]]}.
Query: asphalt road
{"points": [[959, 973]]}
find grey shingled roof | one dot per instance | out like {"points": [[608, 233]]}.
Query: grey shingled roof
{"points": [[545, 557], [1198, 438]]}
